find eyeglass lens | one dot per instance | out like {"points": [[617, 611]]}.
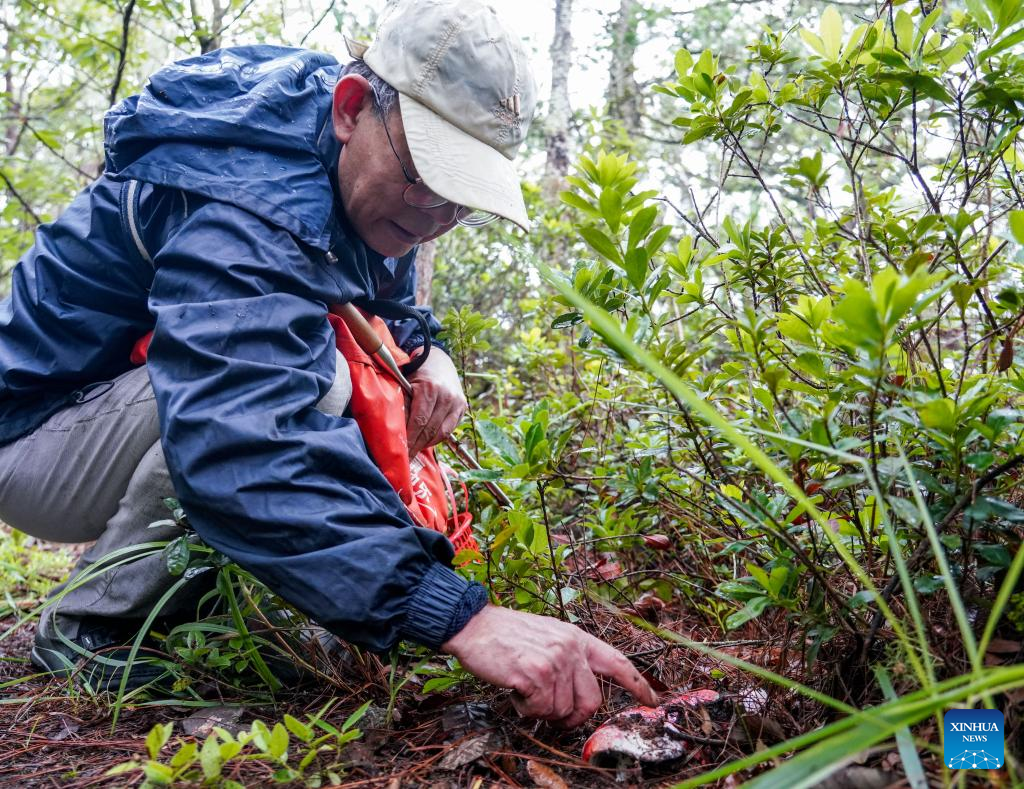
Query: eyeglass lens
{"points": [[419, 195]]}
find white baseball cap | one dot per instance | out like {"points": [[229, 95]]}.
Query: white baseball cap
{"points": [[466, 93]]}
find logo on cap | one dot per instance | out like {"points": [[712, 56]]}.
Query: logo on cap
{"points": [[512, 104], [973, 740]]}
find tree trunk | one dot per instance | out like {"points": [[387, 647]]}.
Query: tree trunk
{"points": [[425, 271], [556, 126], [208, 38], [623, 91]]}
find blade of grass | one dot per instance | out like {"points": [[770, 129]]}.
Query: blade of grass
{"points": [[959, 612], [904, 741]]}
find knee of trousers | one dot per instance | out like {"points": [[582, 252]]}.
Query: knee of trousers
{"points": [[65, 480]]}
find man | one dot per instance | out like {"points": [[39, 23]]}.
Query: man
{"points": [[244, 192]]}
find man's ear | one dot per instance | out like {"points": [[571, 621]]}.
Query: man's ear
{"points": [[352, 95]]}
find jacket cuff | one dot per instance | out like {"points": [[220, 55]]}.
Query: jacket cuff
{"points": [[441, 601]]}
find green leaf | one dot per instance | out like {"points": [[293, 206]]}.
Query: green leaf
{"points": [[813, 40], [928, 584], [356, 716], [1002, 44], [993, 554], [1016, 219], [575, 201], [636, 267], [601, 244], [889, 57], [978, 11], [640, 225], [185, 755], [611, 208], [298, 728], [795, 328], [157, 738], [439, 684], [980, 461], [209, 758], [904, 27], [962, 294], [751, 610], [567, 319], [123, 767], [857, 311], [812, 364], [657, 239], [832, 33], [684, 62], [939, 415], [176, 555], [159, 774], [759, 575], [277, 745], [778, 579], [498, 441]]}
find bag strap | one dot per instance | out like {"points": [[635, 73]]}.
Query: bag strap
{"points": [[133, 188], [131, 194], [395, 311]]}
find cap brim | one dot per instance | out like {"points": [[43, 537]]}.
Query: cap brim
{"points": [[459, 167]]}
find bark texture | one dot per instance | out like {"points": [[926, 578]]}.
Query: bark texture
{"points": [[556, 126], [623, 93], [425, 271]]}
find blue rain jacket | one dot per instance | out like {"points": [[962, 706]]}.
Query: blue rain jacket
{"points": [[238, 213]]}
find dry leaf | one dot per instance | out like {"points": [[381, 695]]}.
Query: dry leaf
{"points": [[468, 751], [544, 776], [1004, 646], [1006, 356]]}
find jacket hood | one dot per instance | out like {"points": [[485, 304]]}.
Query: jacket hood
{"points": [[207, 124]]}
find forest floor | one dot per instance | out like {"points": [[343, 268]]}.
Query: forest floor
{"points": [[54, 734]]}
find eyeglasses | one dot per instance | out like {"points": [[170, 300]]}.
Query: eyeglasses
{"points": [[418, 195]]}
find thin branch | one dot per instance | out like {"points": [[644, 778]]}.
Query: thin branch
{"points": [[318, 22], [17, 196], [122, 52]]}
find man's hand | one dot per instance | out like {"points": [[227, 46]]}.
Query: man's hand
{"points": [[552, 666], [438, 402]]}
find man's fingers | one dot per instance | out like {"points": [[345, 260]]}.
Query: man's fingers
{"points": [[432, 417], [421, 410], [609, 662], [565, 697], [587, 697], [450, 423]]}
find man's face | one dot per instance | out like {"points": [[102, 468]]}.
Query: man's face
{"points": [[371, 180]]}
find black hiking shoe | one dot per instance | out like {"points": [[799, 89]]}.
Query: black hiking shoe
{"points": [[97, 655]]}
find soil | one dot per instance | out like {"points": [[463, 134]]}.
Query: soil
{"points": [[52, 734]]}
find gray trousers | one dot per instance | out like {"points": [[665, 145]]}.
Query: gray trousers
{"points": [[96, 471]]}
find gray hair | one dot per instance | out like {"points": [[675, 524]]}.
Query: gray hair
{"points": [[385, 97]]}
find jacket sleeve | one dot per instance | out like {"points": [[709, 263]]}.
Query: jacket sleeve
{"points": [[407, 333], [240, 355]]}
